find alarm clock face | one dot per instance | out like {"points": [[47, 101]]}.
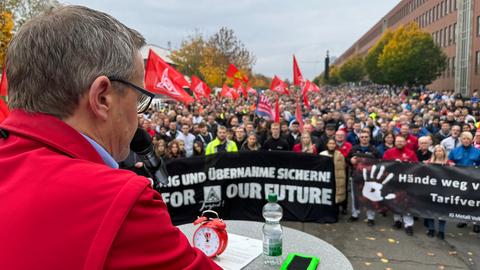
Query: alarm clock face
{"points": [[206, 239]]}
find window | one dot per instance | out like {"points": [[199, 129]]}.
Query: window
{"points": [[455, 7], [449, 35], [450, 7], [477, 62], [437, 14], [455, 33], [434, 11], [453, 66], [478, 26], [440, 38], [445, 8], [445, 37]]}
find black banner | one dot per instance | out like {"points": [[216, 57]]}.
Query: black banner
{"points": [[423, 190], [236, 186]]}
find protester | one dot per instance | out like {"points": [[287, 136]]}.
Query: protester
{"points": [[368, 150], [251, 143], [343, 146], [204, 135], [453, 140], [466, 154], [74, 76], [305, 145], [387, 143], [439, 156], [340, 174], [198, 149], [423, 152], [240, 136], [221, 143], [401, 154], [188, 139], [275, 142]]}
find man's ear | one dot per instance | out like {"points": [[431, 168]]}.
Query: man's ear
{"points": [[100, 97]]}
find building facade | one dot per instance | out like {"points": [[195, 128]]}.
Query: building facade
{"points": [[454, 26]]}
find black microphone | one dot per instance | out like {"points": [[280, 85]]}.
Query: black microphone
{"points": [[142, 146]]}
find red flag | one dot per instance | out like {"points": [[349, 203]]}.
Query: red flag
{"points": [[161, 78], [314, 88], [277, 112], [3, 84], [228, 92], [239, 87], [233, 72], [200, 88], [279, 86], [298, 115], [4, 111], [305, 90], [297, 74], [250, 90]]}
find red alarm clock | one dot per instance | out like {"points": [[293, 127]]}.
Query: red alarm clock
{"points": [[211, 237]]}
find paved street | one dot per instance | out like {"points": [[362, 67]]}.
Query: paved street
{"points": [[381, 247]]}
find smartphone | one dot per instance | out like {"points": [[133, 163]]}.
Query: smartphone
{"points": [[297, 261]]}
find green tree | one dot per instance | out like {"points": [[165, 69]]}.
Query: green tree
{"points": [[374, 72], [334, 77], [411, 57], [352, 70]]}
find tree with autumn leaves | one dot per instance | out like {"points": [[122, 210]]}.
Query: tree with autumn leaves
{"points": [[13, 14], [209, 58], [407, 56], [6, 33]]}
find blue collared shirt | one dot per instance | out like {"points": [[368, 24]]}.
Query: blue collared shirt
{"points": [[107, 158]]}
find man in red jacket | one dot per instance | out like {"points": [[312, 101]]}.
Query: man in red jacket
{"points": [[401, 153], [75, 78]]}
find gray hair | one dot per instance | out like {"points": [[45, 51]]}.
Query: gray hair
{"points": [[55, 57]]}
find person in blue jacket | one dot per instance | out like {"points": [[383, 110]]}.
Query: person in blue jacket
{"points": [[466, 154]]}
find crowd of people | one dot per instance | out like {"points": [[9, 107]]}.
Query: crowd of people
{"points": [[391, 124]]}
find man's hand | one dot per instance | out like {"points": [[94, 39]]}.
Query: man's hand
{"points": [[354, 160]]}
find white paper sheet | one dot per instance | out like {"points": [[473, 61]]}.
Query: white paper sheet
{"points": [[240, 251]]}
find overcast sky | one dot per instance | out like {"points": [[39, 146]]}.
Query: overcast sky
{"points": [[272, 30]]}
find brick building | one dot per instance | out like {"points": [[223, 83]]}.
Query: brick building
{"points": [[455, 27]]}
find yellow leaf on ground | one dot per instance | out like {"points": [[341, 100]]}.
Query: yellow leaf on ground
{"points": [[430, 254], [380, 254], [368, 263], [383, 260], [391, 241], [370, 238]]}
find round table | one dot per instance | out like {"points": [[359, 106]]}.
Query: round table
{"points": [[293, 241]]}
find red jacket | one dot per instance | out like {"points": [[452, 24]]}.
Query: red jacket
{"points": [[404, 155], [62, 208], [345, 148], [298, 148], [412, 142]]}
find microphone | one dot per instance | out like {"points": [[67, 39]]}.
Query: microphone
{"points": [[142, 146]]}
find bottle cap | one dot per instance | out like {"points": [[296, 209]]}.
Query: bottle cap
{"points": [[272, 197]]}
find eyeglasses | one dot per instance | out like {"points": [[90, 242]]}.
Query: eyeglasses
{"points": [[145, 98]]}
